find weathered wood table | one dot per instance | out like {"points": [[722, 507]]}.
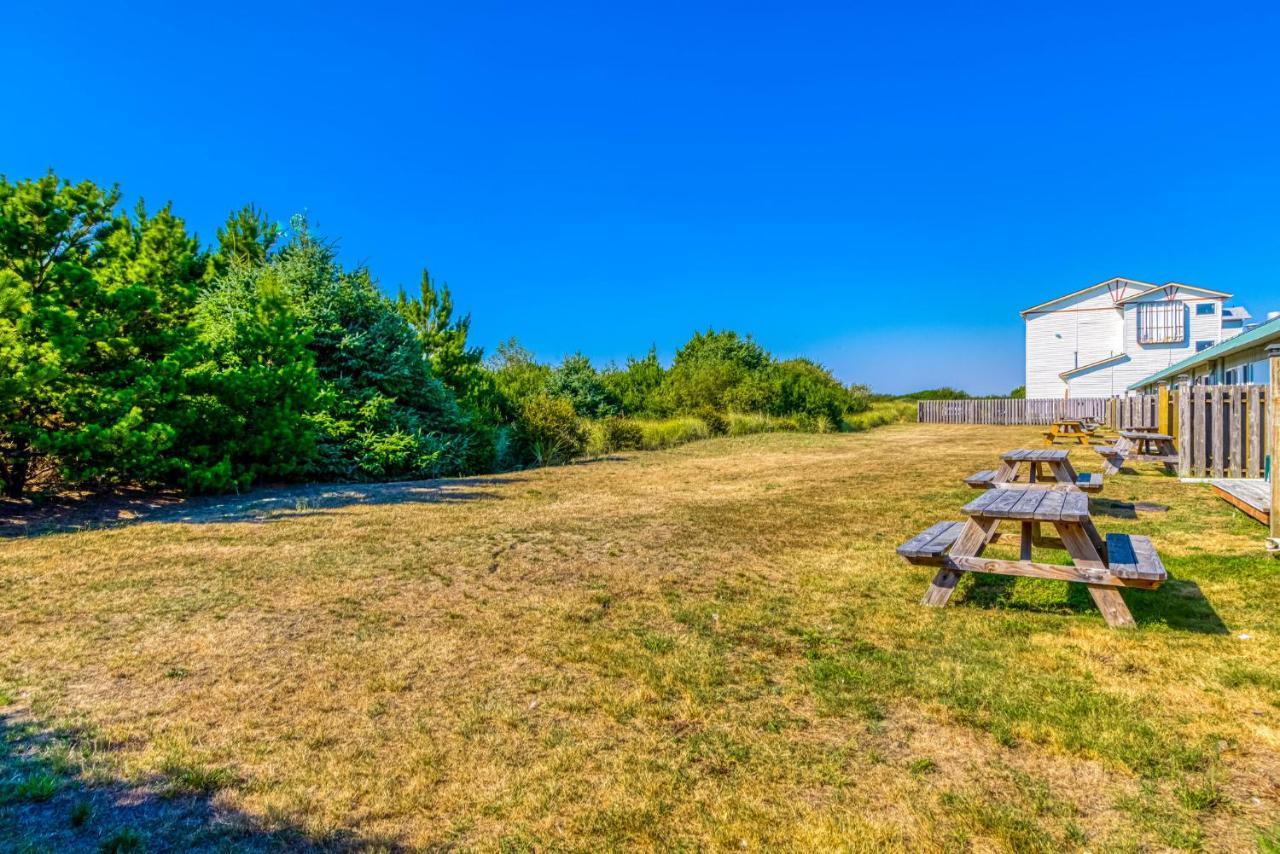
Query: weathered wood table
{"points": [[1139, 446], [1067, 428], [1051, 465], [1103, 566]]}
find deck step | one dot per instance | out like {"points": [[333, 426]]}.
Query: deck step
{"points": [[982, 479], [1134, 556], [929, 546]]}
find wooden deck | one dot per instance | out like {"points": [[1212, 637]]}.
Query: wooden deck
{"points": [[1253, 497]]}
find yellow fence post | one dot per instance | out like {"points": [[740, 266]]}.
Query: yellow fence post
{"points": [[1273, 410], [1162, 409]]}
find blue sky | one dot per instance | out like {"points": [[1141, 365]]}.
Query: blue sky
{"points": [[881, 186]]}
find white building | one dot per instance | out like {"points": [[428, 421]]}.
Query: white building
{"points": [[1098, 341]]}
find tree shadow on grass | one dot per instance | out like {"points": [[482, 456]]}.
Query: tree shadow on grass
{"points": [[48, 801], [1177, 604], [130, 507]]}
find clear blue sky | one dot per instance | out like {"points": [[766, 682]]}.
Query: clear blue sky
{"points": [[882, 186]]}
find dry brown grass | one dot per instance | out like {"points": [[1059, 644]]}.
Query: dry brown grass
{"points": [[713, 646]]}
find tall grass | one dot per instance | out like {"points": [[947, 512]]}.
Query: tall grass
{"points": [[880, 414], [670, 432], [654, 434], [748, 423]]}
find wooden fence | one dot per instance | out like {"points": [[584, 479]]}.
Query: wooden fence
{"points": [[1139, 410], [1005, 410], [1220, 431]]}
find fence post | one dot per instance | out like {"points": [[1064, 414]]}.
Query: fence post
{"points": [[1273, 408], [1162, 409], [1183, 427]]}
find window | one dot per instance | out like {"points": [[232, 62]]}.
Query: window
{"points": [[1203, 345], [1161, 322], [1205, 308]]}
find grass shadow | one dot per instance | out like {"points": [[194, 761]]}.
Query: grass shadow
{"points": [[1179, 604], [131, 507], [50, 801], [1112, 508]]}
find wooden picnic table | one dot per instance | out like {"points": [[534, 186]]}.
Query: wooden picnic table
{"points": [[1141, 446], [1103, 566], [1067, 428], [1044, 465]]}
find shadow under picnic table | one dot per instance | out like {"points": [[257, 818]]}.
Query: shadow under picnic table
{"points": [[1178, 604]]}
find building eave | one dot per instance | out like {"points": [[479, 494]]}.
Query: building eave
{"points": [[1103, 283], [1112, 358], [1177, 286]]}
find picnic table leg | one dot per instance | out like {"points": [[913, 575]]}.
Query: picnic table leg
{"points": [[1030, 532], [1062, 470], [972, 540], [1083, 554]]}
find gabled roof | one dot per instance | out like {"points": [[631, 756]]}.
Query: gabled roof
{"points": [[1112, 281], [1115, 357], [1266, 332], [1178, 286], [1235, 312]]}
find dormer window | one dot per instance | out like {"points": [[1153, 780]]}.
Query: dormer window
{"points": [[1161, 322], [1205, 308]]}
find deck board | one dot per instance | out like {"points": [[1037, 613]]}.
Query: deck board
{"points": [[1253, 497]]}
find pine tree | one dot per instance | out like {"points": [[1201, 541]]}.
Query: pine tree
{"points": [[444, 342], [246, 238], [52, 311]]}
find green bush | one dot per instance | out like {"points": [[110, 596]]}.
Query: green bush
{"points": [[634, 385], [717, 424], [549, 431], [620, 434], [580, 384]]}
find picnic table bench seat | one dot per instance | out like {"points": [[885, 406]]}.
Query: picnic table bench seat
{"points": [[1139, 446], [1134, 556], [984, 479], [929, 546], [1089, 481]]}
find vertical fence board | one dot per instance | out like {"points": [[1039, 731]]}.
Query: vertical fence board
{"points": [[1183, 398], [1215, 427], [1198, 436], [1235, 450], [1257, 430]]}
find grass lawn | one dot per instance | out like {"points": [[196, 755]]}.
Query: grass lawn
{"points": [[713, 646]]}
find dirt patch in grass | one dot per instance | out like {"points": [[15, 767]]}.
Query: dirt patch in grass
{"points": [[709, 646]]}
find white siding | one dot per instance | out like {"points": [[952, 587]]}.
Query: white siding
{"points": [[1069, 334]]}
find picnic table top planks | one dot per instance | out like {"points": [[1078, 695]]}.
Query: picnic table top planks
{"points": [[1031, 502], [1028, 455], [1146, 436]]}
